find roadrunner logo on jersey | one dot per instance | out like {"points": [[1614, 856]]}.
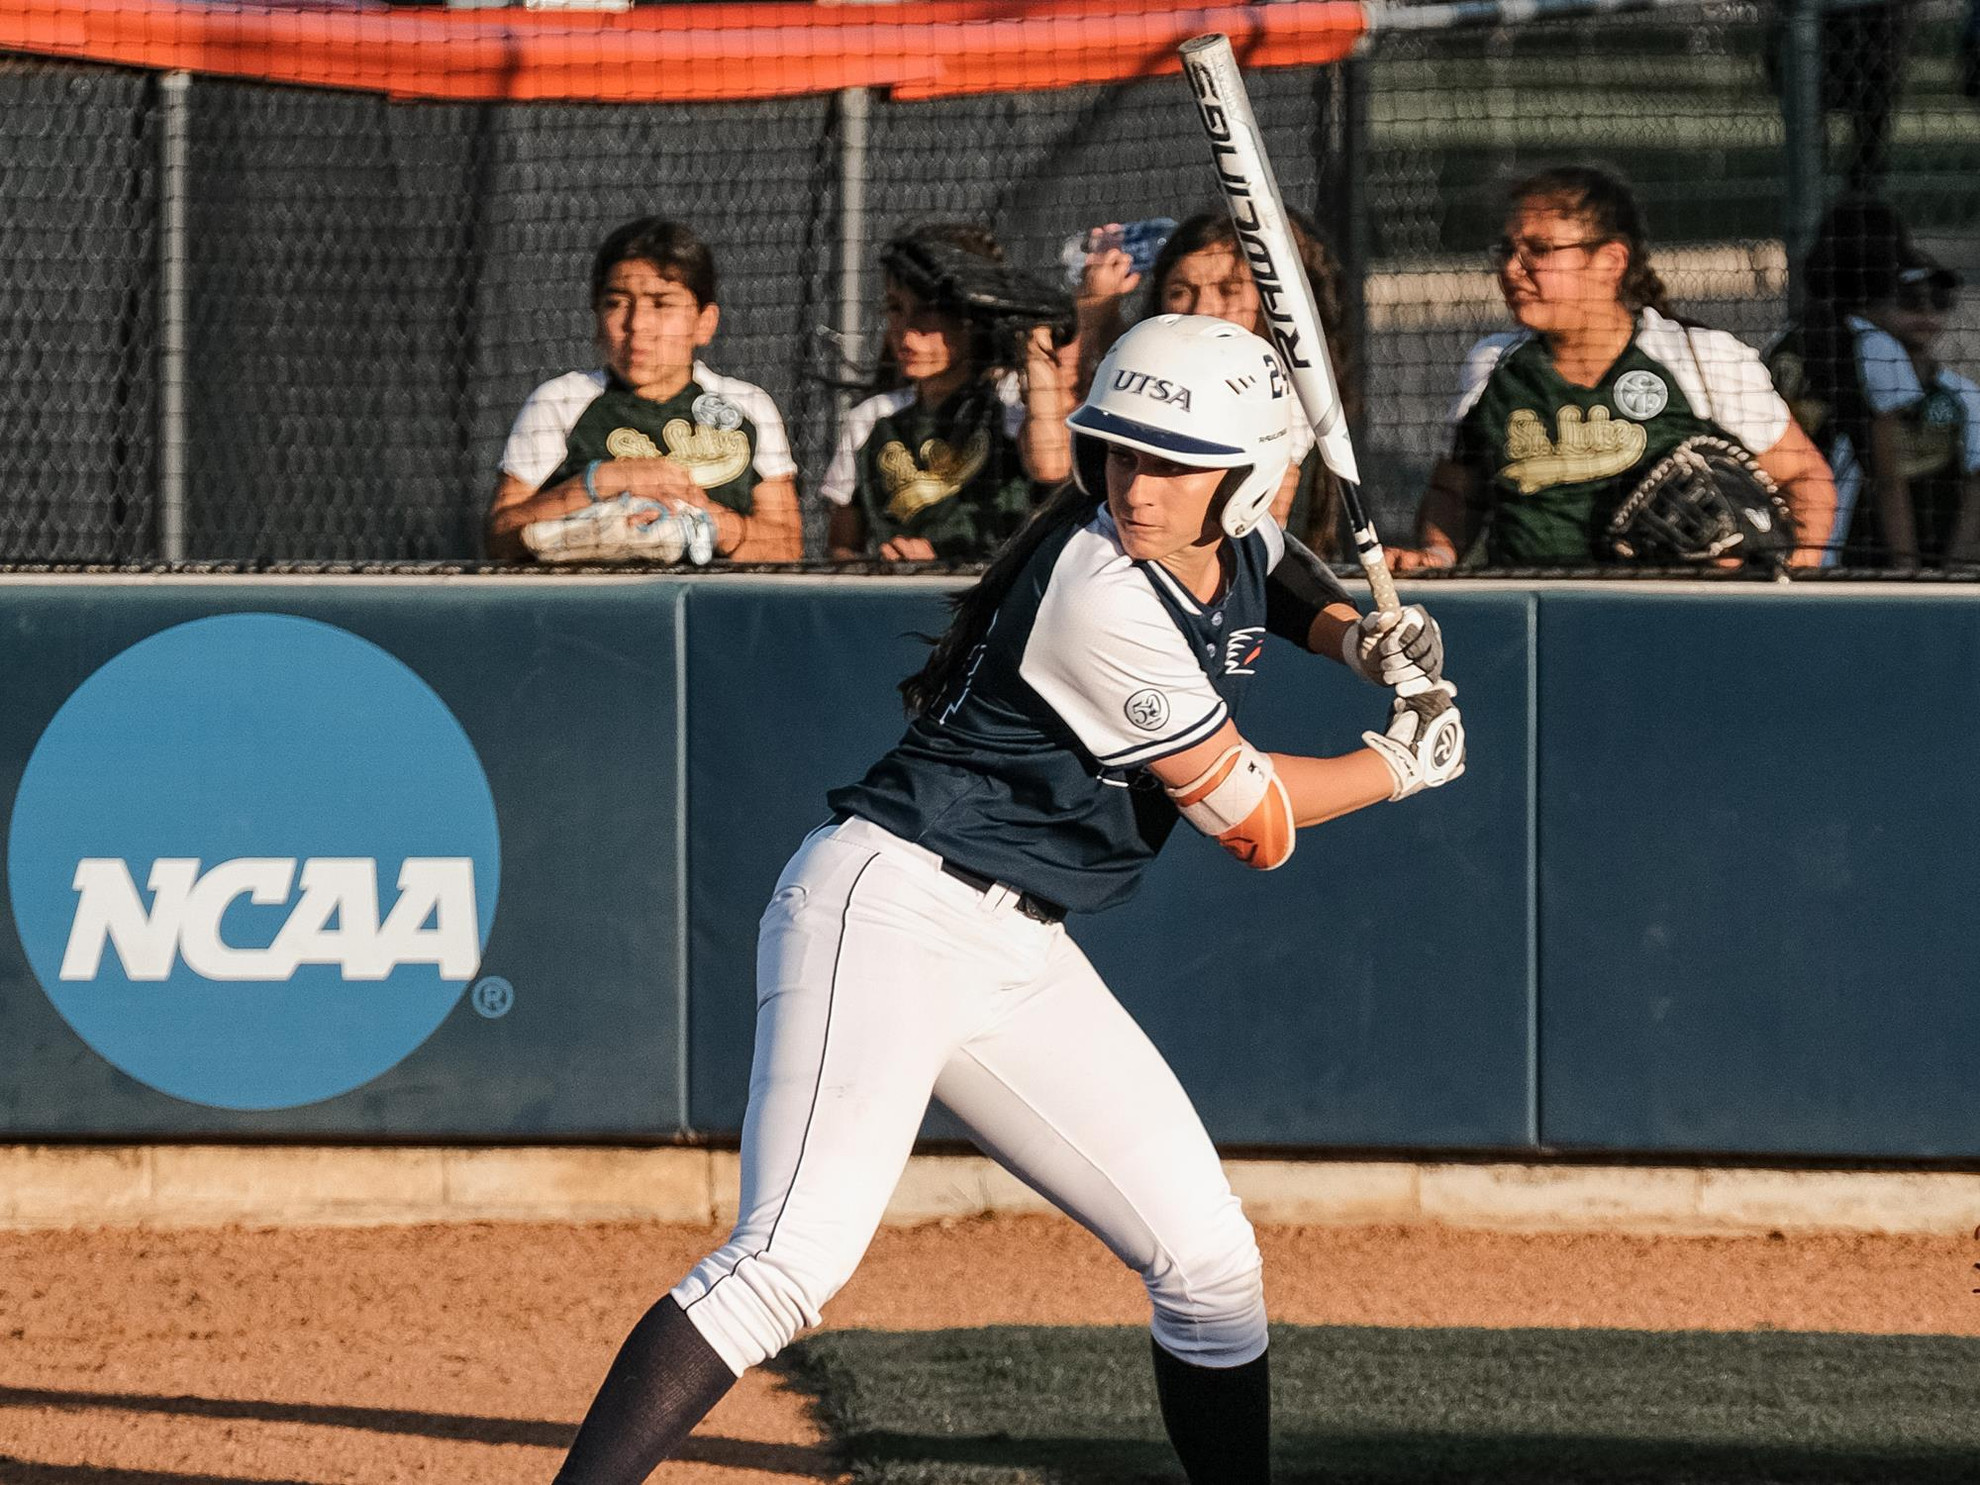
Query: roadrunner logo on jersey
{"points": [[938, 473], [254, 861], [1241, 647], [1584, 448]]}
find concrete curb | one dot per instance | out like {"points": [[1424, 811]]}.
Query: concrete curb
{"points": [[54, 1186]]}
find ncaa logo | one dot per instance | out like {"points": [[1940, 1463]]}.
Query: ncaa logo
{"points": [[254, 861]]}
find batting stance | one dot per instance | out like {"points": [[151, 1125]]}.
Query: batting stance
{"points": [[1079, 704]]}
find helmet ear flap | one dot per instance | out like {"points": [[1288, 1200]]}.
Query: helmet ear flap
{"points": [[1247, 495], [1089, 461]]}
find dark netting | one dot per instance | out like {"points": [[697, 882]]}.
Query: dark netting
{"points": [[78, 294], [374, 287]]}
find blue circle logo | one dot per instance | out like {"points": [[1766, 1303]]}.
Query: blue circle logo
{"points": [[254, 861]]}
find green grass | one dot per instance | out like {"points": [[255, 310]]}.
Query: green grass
{"points": [[1025, 1406]]}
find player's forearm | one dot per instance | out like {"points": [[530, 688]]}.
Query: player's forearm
{"points": [[1812, 501], [1045, 447], [772, 532], [1330, 626], [505, 522], [1892, 492], [1324, 789]]}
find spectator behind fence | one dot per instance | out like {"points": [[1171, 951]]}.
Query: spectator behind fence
{"points": [[1557, 422], [1200, 271], [652, 457], [1900, 431], [948, 465]]}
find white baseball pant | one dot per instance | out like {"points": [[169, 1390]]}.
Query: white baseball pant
{"points": [[882, 980]]}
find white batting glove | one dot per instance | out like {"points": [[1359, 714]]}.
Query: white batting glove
{"points": [[625, 528], [1403, 650], [1424, 744]]}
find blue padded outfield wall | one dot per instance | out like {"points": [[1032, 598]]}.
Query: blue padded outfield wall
{"points": [[482, 858]]}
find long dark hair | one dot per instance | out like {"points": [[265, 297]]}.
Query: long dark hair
{"points": [[1213, 229], [1605, 201], [971, 610]]}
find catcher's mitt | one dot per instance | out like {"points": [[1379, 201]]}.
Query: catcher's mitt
{"points": [[999, 300], [1705, 501]]}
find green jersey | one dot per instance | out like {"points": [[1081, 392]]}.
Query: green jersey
{"points": [[949, 474], [726, 432], [1553, 459]]}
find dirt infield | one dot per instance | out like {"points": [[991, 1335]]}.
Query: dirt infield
{"points": [[457, 1353]]}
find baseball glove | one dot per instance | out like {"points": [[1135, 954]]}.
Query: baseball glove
{"points": [[1705, 501], [1003, 302]]}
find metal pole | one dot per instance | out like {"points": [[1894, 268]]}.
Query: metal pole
{"points": [[173, 91], [855, 112], [1804, 135]]}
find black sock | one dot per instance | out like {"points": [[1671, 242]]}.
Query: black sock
{"points": [[663, 1381], [1219, 1418]]}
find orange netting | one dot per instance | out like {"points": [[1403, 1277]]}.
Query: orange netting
{"points": [[677, 53]]}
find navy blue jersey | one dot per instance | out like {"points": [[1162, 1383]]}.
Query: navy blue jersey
{"points": [[1034, 769]]}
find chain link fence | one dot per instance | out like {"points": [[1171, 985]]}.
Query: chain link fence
{"points": [[366, 290]]}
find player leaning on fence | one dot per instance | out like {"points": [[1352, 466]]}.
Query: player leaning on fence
{"points": [[652, 456], [1558, 422]]}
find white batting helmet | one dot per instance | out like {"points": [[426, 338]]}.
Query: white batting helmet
{"points": [[1198, 391]]}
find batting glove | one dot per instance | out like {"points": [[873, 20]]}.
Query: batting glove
{"points": [[1424, 744], [1403, 650]]}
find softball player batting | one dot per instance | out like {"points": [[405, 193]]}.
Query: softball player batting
{"points": [[1078, 706]]}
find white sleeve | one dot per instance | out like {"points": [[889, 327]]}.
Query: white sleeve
{"points": [[842, 473], [1739, 390], [1108, 660], [1479, 364], [1890, 381], [842, 476], [540, 436], [1968, 396], [773, 447], [1010, 396]]}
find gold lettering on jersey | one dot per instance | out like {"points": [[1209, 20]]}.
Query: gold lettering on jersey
{"points": [[1583, 448], [630, 443], [714, 456], [1926, 446], [915, 483]]}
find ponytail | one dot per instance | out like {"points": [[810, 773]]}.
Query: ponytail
{"points": [[973, 609]]}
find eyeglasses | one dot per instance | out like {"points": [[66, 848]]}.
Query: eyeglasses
{"points": [[1917, 298], [1533, 253]]}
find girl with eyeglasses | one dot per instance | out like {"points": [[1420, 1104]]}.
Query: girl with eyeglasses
{"points": [[1902, 431], [1557, 421]]}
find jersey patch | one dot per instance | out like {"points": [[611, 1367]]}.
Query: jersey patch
{"points": [[1148, 710], [1641, 395]]}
